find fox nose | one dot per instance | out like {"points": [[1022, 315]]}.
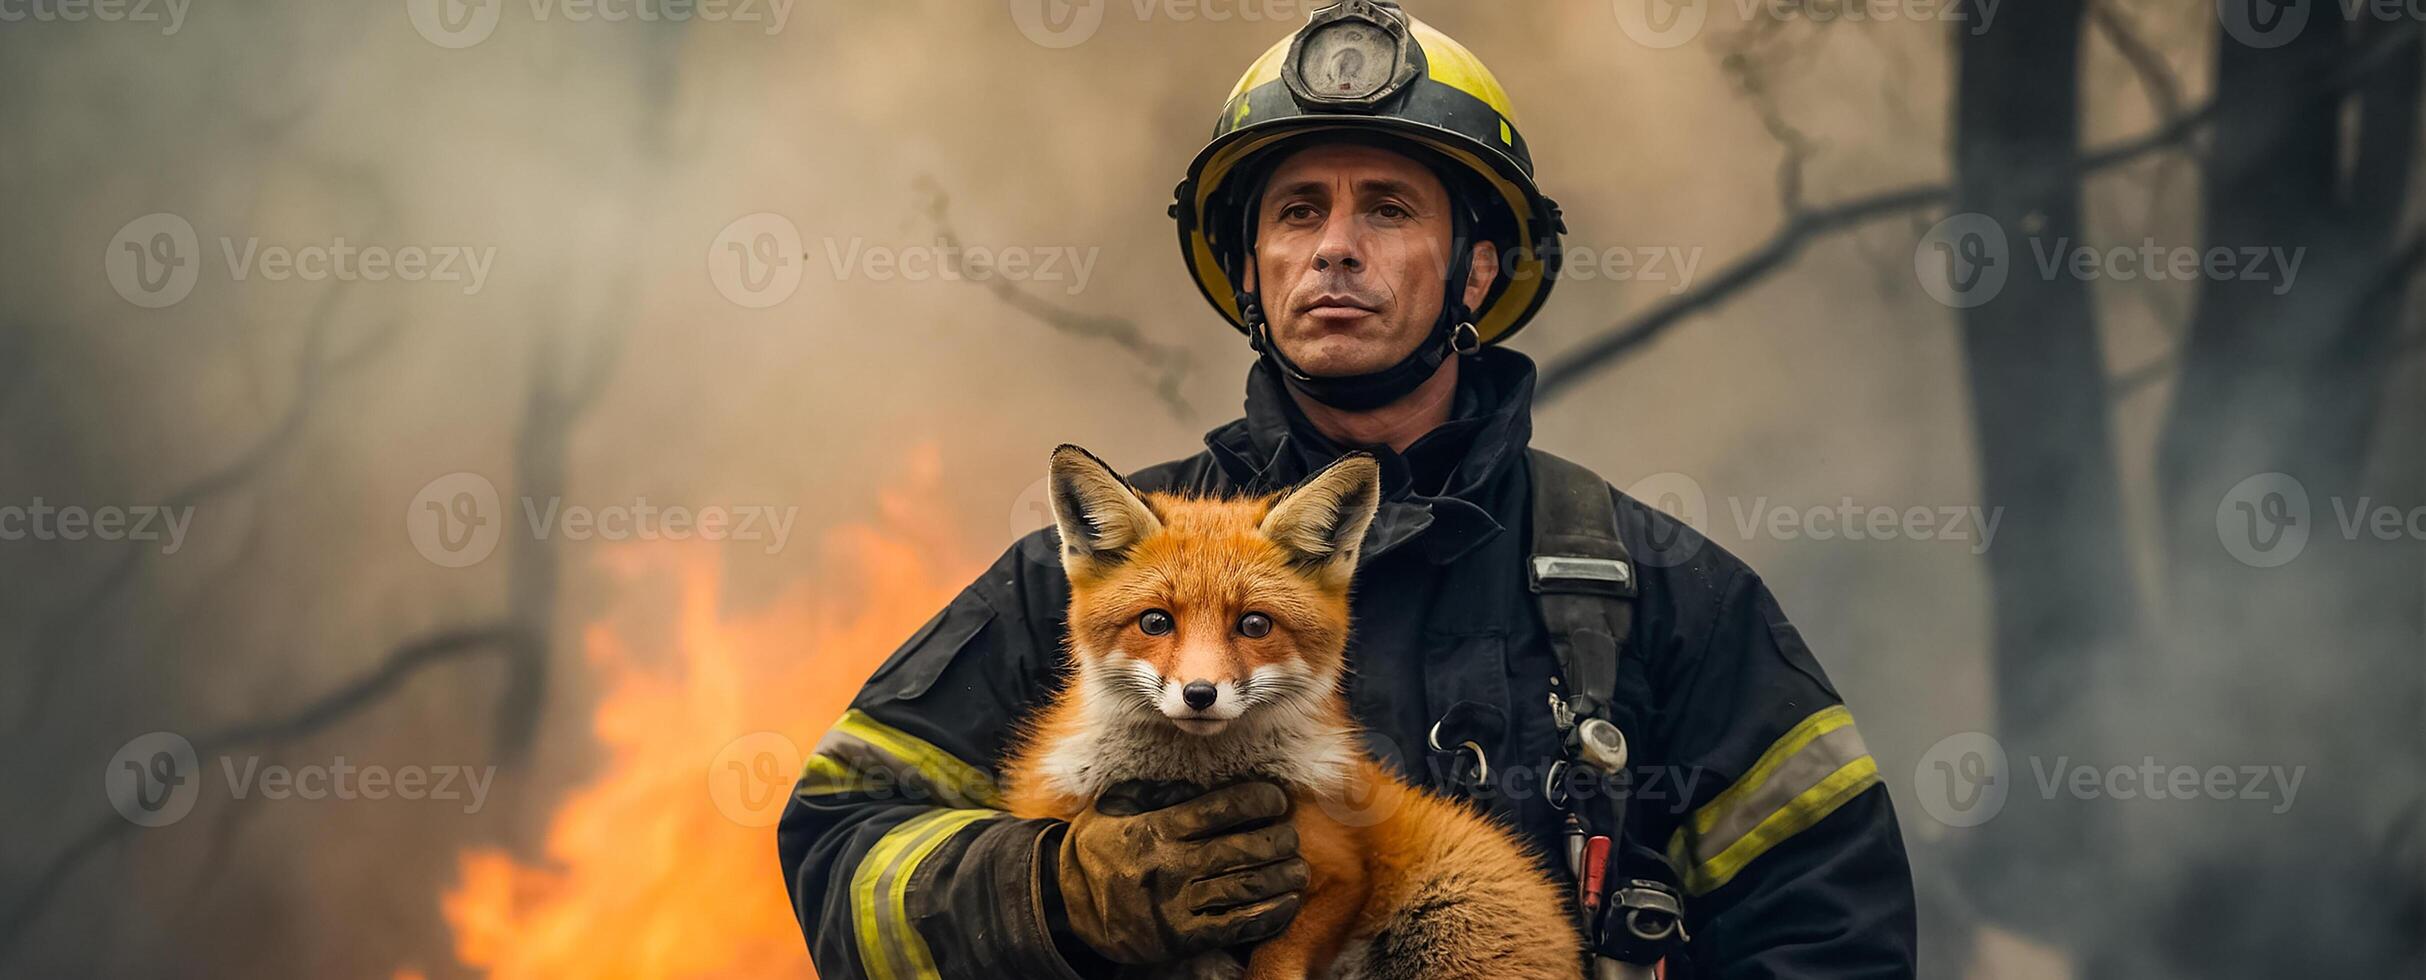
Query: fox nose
{"points": [[1199, 694]]}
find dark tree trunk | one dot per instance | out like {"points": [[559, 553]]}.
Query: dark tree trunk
{"points": [[2299, 650], [2064, 604]]}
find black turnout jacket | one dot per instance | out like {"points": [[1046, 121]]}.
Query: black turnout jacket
{"points": [[1749, 774]]}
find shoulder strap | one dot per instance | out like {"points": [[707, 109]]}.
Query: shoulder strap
{"points": [[1585, 584], [1582, 578]]}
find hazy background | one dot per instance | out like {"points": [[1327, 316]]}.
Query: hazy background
{"points": [[904, 421]]}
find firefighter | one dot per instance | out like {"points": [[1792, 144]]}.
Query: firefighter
{"points": [[1643, 714]]}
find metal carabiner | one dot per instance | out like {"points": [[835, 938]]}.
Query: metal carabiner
{"points": [[1482, 761]]}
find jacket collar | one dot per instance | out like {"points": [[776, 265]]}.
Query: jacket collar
{"points": [[1439, 492]]}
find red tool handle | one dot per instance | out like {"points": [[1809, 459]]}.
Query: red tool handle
{"points": [[1596, 871]]}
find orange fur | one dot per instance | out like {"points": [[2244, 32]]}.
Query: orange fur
{"points": [[1375, 845]]}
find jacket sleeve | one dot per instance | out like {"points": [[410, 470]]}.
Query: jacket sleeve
{"points": [[1773, 811], [899, 859]]}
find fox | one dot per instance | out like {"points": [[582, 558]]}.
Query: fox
{"points": [[1207, 645]]}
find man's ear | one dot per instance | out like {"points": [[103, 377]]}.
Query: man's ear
{"points": [[1481, 273], [1099, 516], [1322, 521]]}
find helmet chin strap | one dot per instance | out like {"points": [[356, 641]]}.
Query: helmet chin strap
{"points": [[1452, 333]]}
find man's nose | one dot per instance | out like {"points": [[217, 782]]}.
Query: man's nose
{"points": [[1199, 694], [1338, 246]]}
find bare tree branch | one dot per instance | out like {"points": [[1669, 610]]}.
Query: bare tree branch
{"points": [[2397, 274], [1800, 229], [2163, 87], [1169, 364], [55, 642], [1630, 336], [400, 665]]}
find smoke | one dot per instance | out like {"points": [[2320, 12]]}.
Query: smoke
{"points": [[656, 319]]}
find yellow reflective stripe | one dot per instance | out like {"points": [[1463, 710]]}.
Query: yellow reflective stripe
{"points": [[1816, 803], [889, 948], [1804, 776], [828, 776], [1786, 747], [945, 771], [922, 961]]}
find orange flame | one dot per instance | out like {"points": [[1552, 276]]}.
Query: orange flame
{"points": [[664, 865]]}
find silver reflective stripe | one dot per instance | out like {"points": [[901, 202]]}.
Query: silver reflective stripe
{"points": [[1551, 568], [1789, 781], [1804, 776], [890, 947]]}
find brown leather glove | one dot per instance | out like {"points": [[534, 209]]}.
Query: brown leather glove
{"points": [[1146, 886]]}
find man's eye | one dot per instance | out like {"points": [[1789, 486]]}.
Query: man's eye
{"points": [[1155, 622], [1393, 212], [1254, 625], [1298, 212]]}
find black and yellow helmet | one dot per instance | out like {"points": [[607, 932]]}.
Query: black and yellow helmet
{"points": [[1366, 69]]}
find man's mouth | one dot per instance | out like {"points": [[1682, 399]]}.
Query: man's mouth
{"points": [[1334, 306]]}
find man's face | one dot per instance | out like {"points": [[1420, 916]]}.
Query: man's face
{"points": [[1351, 251]]}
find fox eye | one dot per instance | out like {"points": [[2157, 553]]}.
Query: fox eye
{"points": [[1255, 625], [1155, 622]]}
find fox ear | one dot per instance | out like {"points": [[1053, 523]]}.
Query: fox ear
{"points": [[1099, 516], [1322, 521]]}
